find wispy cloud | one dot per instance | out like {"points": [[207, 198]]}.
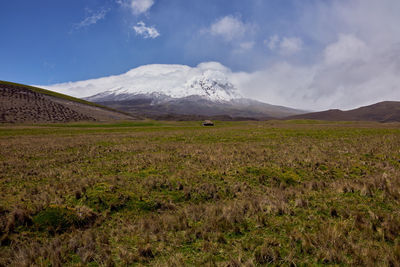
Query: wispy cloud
{"points": [[290, 45], [141, 6], [92, 18], [229, 28], [138, 7], [233, 31], [145, 31], [285, 46], [272, 42], [347, 48], [247, 45]]}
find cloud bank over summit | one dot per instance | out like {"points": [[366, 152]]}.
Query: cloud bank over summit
{"points": [[174, 81]]}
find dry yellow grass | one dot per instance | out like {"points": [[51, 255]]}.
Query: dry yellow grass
{"points": [[176, 194]]}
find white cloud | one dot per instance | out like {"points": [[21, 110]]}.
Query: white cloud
{"points": [[247, 45], [141, 6], [243, 47], [232, 30], [290, 46], [137, 7], [229, 28], [350, 73], [146, 32], [346, 49], [285, 46], [356, 62], [93, 18], [281, 83], [273, 42]]}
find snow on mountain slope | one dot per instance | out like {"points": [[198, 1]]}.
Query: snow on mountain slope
{"points": [[209, 80]]}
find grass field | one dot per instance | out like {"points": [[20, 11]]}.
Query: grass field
{"points": [[296, 193]]}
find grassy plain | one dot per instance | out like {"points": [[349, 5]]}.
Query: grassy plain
{"points": [[298, 193]]}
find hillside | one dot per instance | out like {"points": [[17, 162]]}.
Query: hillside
{"points": [[388, 111], [26, 104]]}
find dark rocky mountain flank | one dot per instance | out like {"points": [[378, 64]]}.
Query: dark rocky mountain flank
{"points": [[25, 104], [388, 111], [199, 108]]}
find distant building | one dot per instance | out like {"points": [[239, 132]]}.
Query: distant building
{"points": [[208, 123]]}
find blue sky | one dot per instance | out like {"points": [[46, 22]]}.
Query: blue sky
{"points": [[49, 41], [310, 54]]}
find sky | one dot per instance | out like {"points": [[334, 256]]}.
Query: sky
{"points": [[309, 54]]}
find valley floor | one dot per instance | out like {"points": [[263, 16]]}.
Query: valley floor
{"points": [[294, 193]]}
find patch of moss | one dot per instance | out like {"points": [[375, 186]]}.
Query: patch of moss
{"points": [[277, 176], [103, 196], [145, 205], [56, 219]]}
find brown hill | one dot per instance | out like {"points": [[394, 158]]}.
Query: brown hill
{"points": [[26, 104], [388, 111]]}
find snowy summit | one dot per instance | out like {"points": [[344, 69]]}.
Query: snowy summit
{"points": [[208, 80]]}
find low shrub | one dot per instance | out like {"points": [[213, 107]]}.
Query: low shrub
{"points": [[58, 219]]}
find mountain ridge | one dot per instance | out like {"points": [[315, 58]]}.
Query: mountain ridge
{"points": [[385, 111], [199, 106]]}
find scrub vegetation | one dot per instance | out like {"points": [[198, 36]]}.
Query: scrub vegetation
{"points": [[295, 193], [51, 93]]}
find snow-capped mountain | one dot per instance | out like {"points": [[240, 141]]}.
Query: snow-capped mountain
{"points": [[158, 90], [212, 85], [211, 80]]}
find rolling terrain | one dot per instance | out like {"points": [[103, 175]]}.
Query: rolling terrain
{"points": [[211, 100], [25, 104], [388, 111]]}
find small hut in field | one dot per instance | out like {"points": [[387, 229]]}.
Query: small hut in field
{"points": [[208, 123]]}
